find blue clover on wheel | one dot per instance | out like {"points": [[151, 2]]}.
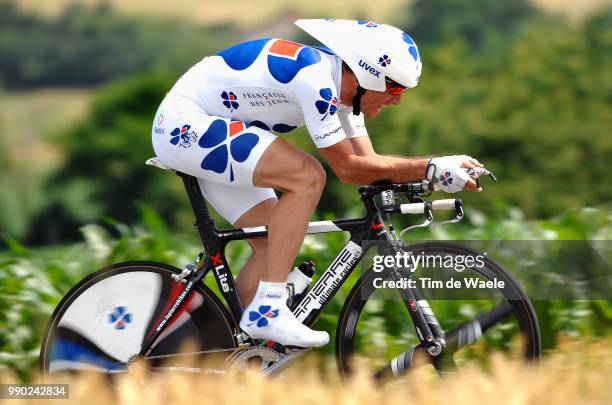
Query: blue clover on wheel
{"points": [[229, 100], [412, 49], [329, 103], [262, 315], [446, 178], [120, 318], [384, 60], [217, 137]]}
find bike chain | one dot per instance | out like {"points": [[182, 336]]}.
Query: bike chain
{"points": [[163, 356]]}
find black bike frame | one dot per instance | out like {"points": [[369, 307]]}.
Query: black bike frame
{"points": [[369, 228]]}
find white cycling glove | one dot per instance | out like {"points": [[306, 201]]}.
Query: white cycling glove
{"points": [[447, 174]]}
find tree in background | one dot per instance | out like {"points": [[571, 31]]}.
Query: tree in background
{"points": [[536, 112], [87, 46], [491, 23], [105, 174]]}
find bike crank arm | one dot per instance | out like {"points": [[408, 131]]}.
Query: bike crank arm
{"points": [[464, 335], [283, 363]]}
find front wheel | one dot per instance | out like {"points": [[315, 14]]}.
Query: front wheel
{"points": [[375, 325], [101, 324]]}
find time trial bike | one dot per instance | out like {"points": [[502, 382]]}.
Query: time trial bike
{"points": [[171, 319]]}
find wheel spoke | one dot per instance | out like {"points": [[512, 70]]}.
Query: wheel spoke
{"points": [[402, 363], [469, 332]]}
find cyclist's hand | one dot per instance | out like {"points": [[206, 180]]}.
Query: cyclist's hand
{"points": [[450, 173]]}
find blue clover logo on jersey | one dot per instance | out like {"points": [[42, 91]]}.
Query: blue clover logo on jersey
{"points": [[262, 315], [119, 318], [280, 127], [412, 49], [446, 178], [369, 24], [285, 59], [183, 136], [217, 137], [329, 103], [384, 60], [229, 100]]}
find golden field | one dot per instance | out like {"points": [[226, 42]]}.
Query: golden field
{"points": [[576, 373], [245, 12]]}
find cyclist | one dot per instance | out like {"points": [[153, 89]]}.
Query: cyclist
{"points": [[216, 122]]}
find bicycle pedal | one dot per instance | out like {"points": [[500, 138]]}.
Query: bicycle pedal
{"points": [[275, 346]]}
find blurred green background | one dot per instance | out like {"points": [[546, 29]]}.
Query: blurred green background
{"points": [[524, 86]]}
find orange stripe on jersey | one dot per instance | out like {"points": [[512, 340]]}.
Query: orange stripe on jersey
{"points": [[236, 127], [285, 48]]}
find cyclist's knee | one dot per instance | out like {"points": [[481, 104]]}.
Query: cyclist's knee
{"points": [[285, 168], [310, 177]]}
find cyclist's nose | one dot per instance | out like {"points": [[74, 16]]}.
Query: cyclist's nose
{"points": [[395, 100]]}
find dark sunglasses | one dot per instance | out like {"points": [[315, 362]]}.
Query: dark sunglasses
{"points": [[394, 87]]}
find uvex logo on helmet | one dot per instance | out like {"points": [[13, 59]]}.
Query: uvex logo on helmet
{"points": [[369, 68]]}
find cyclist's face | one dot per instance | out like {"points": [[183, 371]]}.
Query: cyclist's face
{"points": [[373, 101]]}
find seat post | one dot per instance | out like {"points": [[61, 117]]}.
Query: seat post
{"points": [[203, 223]]}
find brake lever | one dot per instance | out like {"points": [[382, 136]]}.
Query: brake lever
{"points": [[476, 172], [459, 215], [428, 220]]}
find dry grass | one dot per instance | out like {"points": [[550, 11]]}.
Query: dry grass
{"points": [[243, 12], [574, 10], [575, 374], [27, 117], [246, 12]]}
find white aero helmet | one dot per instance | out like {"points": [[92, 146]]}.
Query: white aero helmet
{"points": [[373, 51]]}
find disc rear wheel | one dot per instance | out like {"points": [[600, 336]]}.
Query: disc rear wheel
{"points": [[101, 324]]}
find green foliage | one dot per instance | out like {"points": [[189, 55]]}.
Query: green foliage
{"points": [[86, 46], [105, 172], [32, 282], [534, 107], [537, 116], [487, 24]]}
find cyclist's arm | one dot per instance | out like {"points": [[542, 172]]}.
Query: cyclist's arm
{"points": [[350, 167], [362, 146]]}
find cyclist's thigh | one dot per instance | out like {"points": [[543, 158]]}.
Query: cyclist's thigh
{"points": [[284, 167], [234, 202], [221, 153], [212, 148]]}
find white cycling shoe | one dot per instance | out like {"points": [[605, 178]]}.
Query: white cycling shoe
{"points": [[268, 317]]}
